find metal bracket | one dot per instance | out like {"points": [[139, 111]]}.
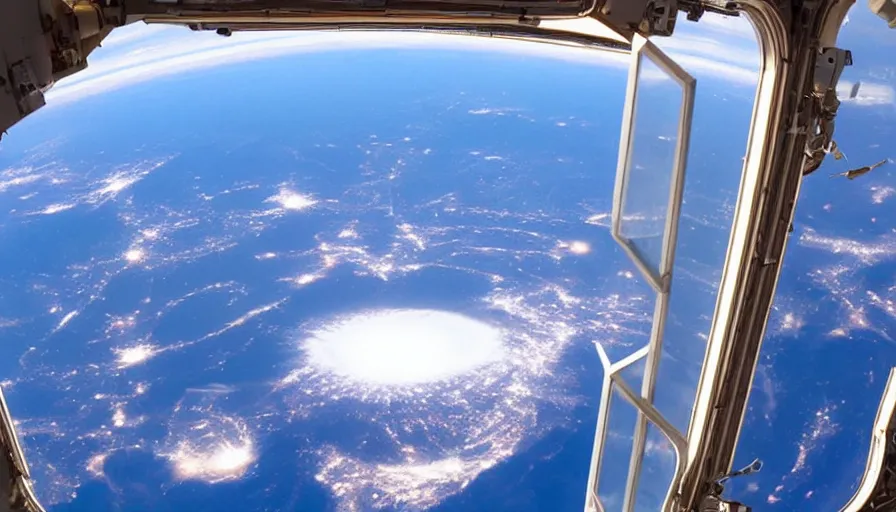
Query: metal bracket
{"points": [[695, 9], [714, 503], [829, 66], [647, 17]]}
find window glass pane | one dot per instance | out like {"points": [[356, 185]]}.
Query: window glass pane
{"points": [[617, 453], [651, 159], [657, 471]]}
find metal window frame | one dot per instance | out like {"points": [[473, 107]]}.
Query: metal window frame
{"points": [[874, 464], [771, 178], [17, 456], [660, 280]]}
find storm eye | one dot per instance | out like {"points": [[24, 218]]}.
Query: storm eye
{"points": [[404, 347]]}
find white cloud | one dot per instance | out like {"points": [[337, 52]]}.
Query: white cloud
{"points": [[732, 73], [869, 94], [735, 26], [742, 55], [718, 47]]}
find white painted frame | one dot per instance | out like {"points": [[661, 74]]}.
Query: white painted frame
{"points": [[660, 280], [646, 413]]}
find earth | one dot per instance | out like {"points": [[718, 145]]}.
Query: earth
{"points": [[367, 271]]}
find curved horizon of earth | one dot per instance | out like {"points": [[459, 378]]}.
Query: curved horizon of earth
{"points": [[245, 294]]}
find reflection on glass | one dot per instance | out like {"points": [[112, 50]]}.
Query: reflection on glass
{"points": [[676, 377], [617, 452], [654, 135], [657, 471]]}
